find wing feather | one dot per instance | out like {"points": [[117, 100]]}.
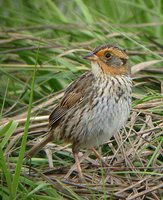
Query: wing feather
{"points": [[72, 97]]}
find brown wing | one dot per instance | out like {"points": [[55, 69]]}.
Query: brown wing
{"points": [[72, 96]]}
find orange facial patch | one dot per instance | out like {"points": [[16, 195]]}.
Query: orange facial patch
{"points": [[113, 71]]}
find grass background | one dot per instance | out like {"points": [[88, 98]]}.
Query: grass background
{"points": [[41, 49]]}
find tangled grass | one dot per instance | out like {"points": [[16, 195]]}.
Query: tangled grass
{"points": [[42, 44]]}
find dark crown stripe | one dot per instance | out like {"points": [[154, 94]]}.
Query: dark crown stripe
{"points": [[105, 46]]}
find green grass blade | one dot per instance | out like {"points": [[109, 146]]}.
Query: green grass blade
{"points": [[8, 130], [16, 176], [5, 128], [57, 11], [4, 99], [10, 127], [6, 172], [85, 10], [36, 189], [155, 154]]}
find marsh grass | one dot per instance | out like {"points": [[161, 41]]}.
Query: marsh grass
{"points": [[42, 44]]}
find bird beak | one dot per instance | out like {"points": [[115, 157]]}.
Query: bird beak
{"points": [[90, 56]]}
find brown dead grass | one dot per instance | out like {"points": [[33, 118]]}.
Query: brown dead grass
{"points": [[133, 163]]}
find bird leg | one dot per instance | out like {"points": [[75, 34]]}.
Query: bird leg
{"points": [[77, 162], [98, 156], [96, 153]]}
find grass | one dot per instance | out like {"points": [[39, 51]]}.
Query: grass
{"points": [[42, 44]]}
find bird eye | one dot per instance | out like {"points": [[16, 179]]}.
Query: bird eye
{"points": [[107, 55]]}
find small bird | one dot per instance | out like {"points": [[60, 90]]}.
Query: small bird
{"points": [[95, 106]]}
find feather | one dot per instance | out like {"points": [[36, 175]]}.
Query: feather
{"points": [[73, 96]]}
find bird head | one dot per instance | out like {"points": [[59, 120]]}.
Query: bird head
{"points": [[108, 59]]}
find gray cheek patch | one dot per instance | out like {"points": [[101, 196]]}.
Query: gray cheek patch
{"points": [[114, 62]]}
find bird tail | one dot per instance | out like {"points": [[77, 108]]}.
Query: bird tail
{"points": [[36, 148]]}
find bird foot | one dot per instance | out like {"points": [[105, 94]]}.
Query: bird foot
{"points": [[77, 167], [103, 162]]}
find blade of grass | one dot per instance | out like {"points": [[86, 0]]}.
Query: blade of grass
{"points": [[16, 176], [57, 11], [38, 188], [3, 164], [5, 128], [155, 154], [4, 98], [85, 11], [12, 125], [139, 172], [6, 172], [143, 65]]}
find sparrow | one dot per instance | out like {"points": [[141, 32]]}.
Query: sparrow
{"points": [[95, 106]]}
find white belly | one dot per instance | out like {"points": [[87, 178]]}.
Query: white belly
{"points": [[104, 121]]}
